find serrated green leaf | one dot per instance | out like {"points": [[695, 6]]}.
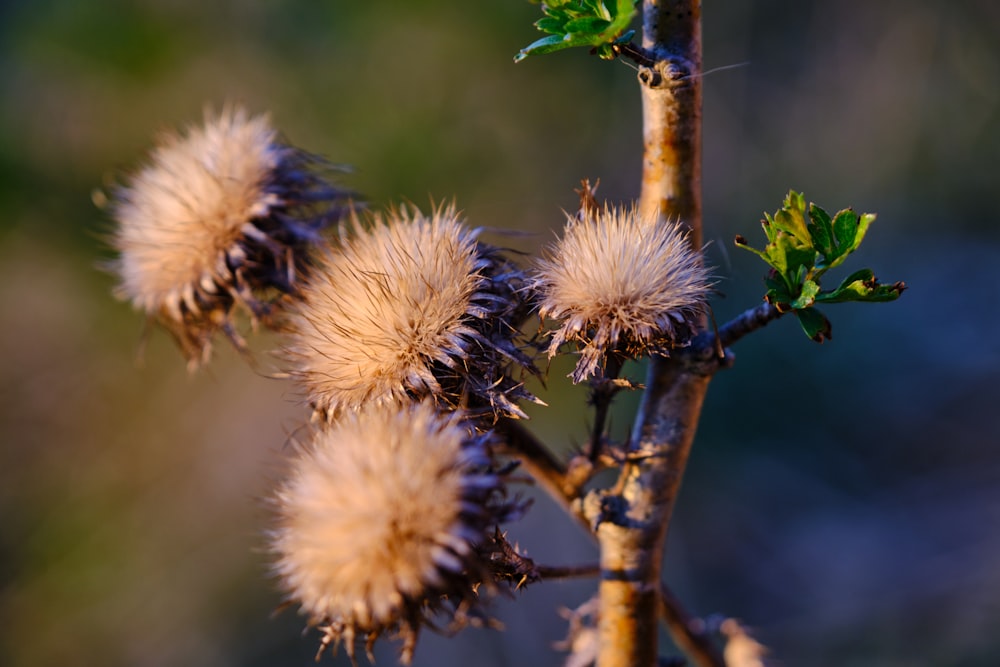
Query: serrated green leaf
{"points": [[542, 46], [864, 223], [845, 228], [861, 275], [597, 8], [795, 201], [775, 255], [587, 26], [881, 293], [862, 286], [821, 229], [808, 295], [802, 248], [777, 291], [815, 324], [550, 25], [796, 257], [793, 222], [769, 228], [590, 23]]}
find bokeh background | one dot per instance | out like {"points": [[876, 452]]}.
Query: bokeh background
{"points": [[843, 500]]}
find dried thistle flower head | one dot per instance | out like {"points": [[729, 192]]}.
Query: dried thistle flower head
{"points": [[379, 522], [222, 215], [413, 306], [620, 283]]}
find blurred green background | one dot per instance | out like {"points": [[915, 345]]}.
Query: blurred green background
{"points": [[843, 500]]}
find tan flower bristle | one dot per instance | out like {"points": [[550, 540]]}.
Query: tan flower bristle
{"points": [[620, 282], [413, 306], [379, 520], [220, 215]]}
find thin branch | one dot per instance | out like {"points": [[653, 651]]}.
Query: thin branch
{"points": [[568, 571], [552, 475], [705, 347], [635, 53], [747, 322], [688, 632]]}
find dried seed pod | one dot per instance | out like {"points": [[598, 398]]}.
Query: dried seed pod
{"points": [[620, 283], [223, 215], [413, 306], [379, 523]]}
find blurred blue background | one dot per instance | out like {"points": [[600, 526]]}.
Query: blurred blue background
{"points": [[843, 500]]}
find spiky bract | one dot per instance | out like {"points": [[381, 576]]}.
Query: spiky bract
{"points": [[380, 519], [410, 307], [621, 283], [222, 215]]}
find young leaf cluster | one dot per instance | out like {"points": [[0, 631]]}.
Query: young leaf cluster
{"points": [[803, 243], [597, 24]]}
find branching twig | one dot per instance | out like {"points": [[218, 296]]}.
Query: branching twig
{"points": [[703, 350], [552, 475], [748, 322]]}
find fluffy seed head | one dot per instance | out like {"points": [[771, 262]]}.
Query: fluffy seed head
{"points": [[412, 306], [620, 282], [379, 519], [219, 214]]}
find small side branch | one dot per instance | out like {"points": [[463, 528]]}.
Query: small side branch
{"points": [[635, 53], [568, 571], [540, 463], [552, 475], [748, 322], [706, 346], [688, 632]]}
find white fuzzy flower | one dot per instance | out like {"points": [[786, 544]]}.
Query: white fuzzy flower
{"points": [[620, 283], [218, 215], [379, 520], [413, 306]]}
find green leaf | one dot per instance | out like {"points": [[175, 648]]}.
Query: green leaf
{"points": [[769, 228], [808, 295], [550, 25], [543, 46], [795, 200], [586, 25], [815, 324], [777, 292], [862, 286], [802, 244], [793, 221], [793, 256], [863, 224], [821, 229], [591, 23], [845, 228]]}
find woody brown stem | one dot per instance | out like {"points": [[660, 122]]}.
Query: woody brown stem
{"points": [[632, 536], [551, 474]]}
